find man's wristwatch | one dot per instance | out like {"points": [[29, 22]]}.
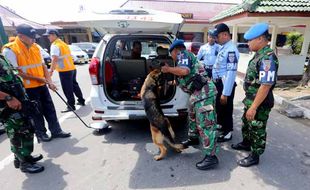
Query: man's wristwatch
{"points": [[8, 98]]}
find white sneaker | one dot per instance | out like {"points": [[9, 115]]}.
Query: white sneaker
{"points": [[225, 138]]}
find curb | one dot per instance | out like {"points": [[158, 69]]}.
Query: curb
{"points": [[283, 103]]}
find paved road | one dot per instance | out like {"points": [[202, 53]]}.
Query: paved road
{"points": [[123, 158]]}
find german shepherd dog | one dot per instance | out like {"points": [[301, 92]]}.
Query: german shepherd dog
{"points": [[161, 129]]}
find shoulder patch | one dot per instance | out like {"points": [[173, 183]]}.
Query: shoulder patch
{"points": [[266, 65], [231, 57]]}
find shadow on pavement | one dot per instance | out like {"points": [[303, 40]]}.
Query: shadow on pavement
{"points": [[57, 147], [3, 137], [284, 162], [176, 169], [52, 171]]}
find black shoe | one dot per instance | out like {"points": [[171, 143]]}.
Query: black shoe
{"points": [[16, 162], [68, 109], [190, 142], [241, 146], [81, 103], [61, 134], [207, 163], [34, 158], [31, 159], [28, 167], [44, 138], [252, 159], [225, 137]]}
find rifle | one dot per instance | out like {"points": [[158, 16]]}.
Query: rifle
{"points": [[29, 107]]}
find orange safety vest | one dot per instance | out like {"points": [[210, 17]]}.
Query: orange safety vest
{"points": [[65, 60], [29, 60]]}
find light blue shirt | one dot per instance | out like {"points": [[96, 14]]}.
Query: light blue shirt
{"points": [[226, 65], [208, 53]]}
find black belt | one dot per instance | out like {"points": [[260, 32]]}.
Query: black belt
{"points": [[217, 80], [208, 66]]}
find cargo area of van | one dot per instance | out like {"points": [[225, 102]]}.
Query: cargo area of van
{"points": [[128, 60]]}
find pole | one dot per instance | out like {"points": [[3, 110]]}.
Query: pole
{"points": [[71, 109]]}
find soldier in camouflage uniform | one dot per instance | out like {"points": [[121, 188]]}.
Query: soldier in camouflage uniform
{"points": [[21, 137], [259, 81], [193, 80]]}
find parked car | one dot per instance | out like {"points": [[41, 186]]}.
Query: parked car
{"points": [[78, 55], [117, 77], [243, 48], [88, 47], [46, 56], [193, 46]]}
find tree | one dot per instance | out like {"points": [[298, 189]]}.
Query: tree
{"points": [[306, 77], [295, 40]]}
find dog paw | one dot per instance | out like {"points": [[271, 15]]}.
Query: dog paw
{"points": [[178, 150], [158, 157]]}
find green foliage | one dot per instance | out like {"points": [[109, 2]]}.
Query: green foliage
{"points": [[295, 40]]}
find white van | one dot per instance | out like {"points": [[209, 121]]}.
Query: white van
{"points": [[117, 75]]}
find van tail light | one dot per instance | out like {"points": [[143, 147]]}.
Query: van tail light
{"points": [[94, 69]]}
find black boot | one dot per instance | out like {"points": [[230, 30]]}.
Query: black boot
{"points": [[190, 142], [16, 162], [28, 167], [241, 146], [31, 159], [252, 159], [34, 158], [207, 163]]}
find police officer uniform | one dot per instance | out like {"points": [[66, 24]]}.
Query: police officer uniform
{"points": [[15, 123], [202, 117], [262, 71], [67, 71], [208, 53], [29, 60], [224, 74]]}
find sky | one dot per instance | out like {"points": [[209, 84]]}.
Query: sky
{"points": [[46, 11]]}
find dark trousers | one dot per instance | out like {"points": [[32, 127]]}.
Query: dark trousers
{"points": [[209, 72], [225, 112], [70, 87], [47, 108]]}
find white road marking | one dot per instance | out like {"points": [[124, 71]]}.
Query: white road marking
{"points": [[7, 160]]}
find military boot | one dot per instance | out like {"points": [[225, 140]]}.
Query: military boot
{"points": [[241, 146], [190, 142], [31, 159], [207, 163], [28, 167], [252, 159]]}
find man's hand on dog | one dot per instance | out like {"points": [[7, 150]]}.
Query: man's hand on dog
{"points": [[165, 68]]}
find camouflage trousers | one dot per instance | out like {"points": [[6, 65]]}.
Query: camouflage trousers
{"points": [[254, 132], [21, 139], [202, 124]]}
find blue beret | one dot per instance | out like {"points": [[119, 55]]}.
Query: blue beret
{"points": [[177, 42], [256, 31]]}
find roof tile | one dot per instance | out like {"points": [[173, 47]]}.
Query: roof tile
{"points": [[265, 6]]}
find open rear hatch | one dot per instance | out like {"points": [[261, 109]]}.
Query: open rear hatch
{"points": [[123, 21], [127, 74]]}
